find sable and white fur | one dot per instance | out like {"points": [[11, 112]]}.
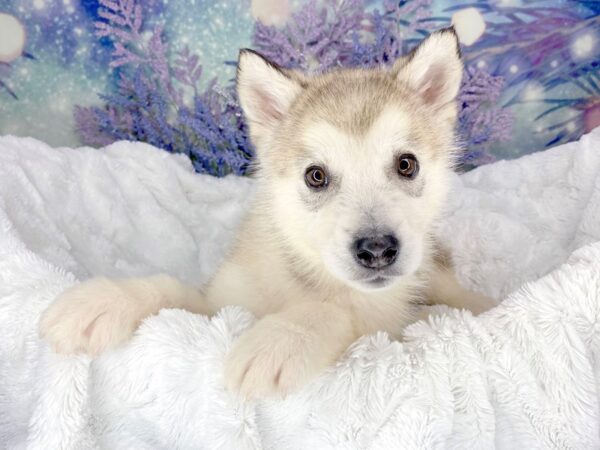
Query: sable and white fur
{"points": [[292, 263]]}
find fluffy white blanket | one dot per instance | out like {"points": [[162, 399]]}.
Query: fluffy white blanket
{"points": [[524, 375]]}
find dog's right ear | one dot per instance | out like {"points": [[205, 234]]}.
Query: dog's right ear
{"points": [[265, 91], [434, 71]]}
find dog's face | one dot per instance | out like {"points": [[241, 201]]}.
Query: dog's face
{"points": [[355, 163]]}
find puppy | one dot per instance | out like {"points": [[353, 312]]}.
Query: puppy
{"points": [[353, 169]]}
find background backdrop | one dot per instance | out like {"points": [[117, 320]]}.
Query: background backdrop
{"points": [[92, 72]]}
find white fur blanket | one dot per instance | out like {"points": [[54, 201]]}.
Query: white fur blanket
{"points": [[525, 375]]}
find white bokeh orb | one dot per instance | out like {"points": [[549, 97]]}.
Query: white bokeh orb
{"points": [[584, 46], [12, 38], [532, 92], [469, 25], [271, 12]]}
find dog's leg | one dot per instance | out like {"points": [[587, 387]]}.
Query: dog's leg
{"points": [[445, 289], [285, 350], [101, 313]]}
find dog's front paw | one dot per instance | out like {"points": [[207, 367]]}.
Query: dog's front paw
{"points": [[276, 357], [91, 317]]}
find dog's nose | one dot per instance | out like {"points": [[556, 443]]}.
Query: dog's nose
{"points": [[376, 252]]}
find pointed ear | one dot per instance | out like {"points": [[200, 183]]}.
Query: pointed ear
{"points": [[265, 91], [434, 69]]}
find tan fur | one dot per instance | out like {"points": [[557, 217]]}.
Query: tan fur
{"points": [[291, 264]]}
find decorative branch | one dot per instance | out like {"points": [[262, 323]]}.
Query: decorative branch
{"points": [[150, 105]]}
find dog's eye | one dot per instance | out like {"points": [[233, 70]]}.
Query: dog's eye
{"points": [[407, 166], [316, 177]]}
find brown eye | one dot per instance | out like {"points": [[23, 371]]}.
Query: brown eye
{"points": [[316, 177], [407, 165]]}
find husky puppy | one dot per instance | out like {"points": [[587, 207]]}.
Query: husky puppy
{"points": [[353, 168]]}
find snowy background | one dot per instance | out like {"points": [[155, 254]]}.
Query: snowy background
{"points": [[160, 71]]}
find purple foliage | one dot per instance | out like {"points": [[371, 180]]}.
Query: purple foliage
{"points": [[187, 70], [91, 126], [316, 36], [149, 101], [383, 48], [390, 33], [330, 33], [481, 120], [123, 24]]}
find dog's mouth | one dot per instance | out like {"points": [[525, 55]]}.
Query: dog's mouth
{"points": [[378, 282]]}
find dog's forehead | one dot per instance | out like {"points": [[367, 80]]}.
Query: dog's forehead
{"points": [[357, 110], [351, 100], [389, 131]]}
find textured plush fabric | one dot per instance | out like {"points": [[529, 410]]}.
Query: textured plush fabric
{"points": [[524, 375]]}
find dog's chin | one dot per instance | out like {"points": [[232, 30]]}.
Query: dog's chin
{"points": [[364, 282], [376, 283]]}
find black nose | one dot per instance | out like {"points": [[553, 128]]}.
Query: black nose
{"points": [[376, 252]]}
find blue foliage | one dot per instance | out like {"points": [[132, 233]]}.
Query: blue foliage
{"points": [[150, 103]]}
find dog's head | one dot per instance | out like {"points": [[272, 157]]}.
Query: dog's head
{"points": [[355, 163]]}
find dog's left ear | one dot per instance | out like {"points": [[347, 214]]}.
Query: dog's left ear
{"points": [[434, 69], [266, 92]]}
